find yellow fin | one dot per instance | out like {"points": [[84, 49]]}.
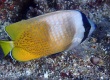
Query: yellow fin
{"points": [[22, 55], [15, 30], [6, 46]]}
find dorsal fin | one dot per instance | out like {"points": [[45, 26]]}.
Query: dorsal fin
{"points": [[15, 29]]}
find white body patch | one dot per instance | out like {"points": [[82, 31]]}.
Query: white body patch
{"points": [[70, 18]]}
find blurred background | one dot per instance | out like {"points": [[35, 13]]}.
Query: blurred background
{"points": [[88, 61]]}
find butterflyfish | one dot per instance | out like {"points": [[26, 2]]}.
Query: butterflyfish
{"points": [[46, 34]]}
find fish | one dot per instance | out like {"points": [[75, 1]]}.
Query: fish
{"points": [[46, 34]]}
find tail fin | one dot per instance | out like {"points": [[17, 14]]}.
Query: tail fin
{"points": [[5, 47]]}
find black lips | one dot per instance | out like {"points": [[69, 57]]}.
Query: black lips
{"points": [[86, 25]]}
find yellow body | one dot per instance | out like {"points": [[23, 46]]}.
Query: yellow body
{"points": [[38, 37]]}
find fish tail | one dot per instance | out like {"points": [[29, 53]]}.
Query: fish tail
{"points": [[5, 47]]}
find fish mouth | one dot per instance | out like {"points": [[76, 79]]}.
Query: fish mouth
{"points": [[1, 53]]}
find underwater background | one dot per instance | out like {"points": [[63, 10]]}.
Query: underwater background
{"points": [[89, 61]]}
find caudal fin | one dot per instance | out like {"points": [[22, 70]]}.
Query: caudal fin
{"points": [[5, 48]]}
